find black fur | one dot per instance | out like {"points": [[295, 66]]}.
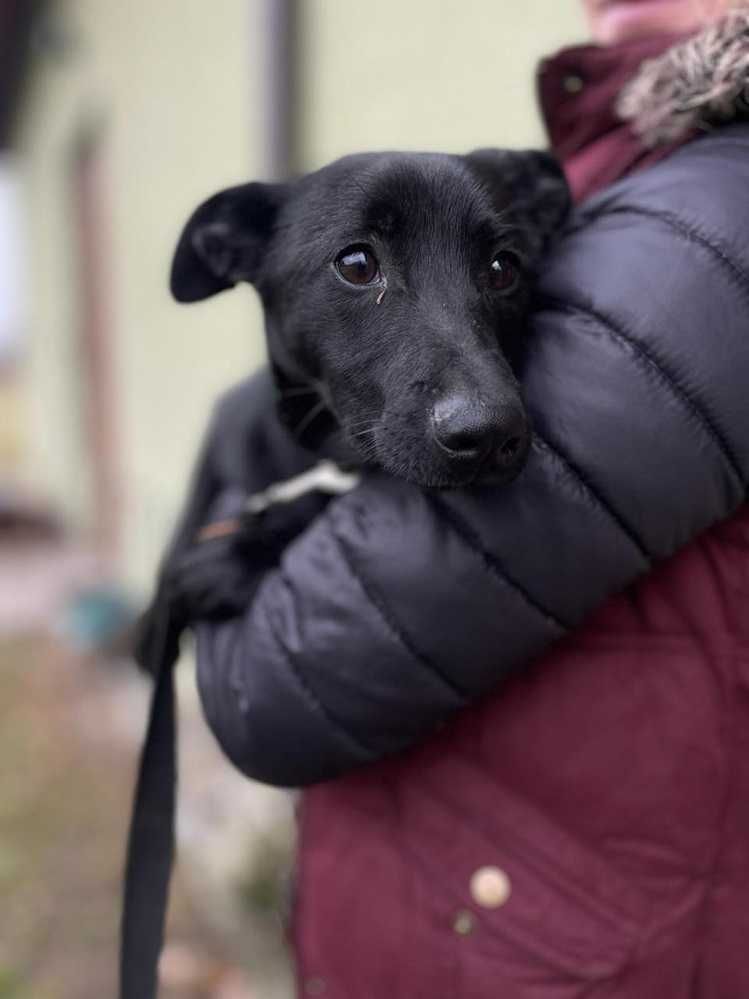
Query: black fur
{"points": [[389, 372]]}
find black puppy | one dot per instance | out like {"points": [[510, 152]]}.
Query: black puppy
{"points": [[395, 288]]}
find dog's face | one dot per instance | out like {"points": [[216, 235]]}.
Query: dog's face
{"points": [[395, 288]]}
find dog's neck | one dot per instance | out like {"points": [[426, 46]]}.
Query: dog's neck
{"points": [[309, 419]]}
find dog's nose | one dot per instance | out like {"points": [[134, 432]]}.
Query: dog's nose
{"points": [[469, 430], [464, 428]]}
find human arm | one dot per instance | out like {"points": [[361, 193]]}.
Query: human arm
{"points": [[398, 606]]}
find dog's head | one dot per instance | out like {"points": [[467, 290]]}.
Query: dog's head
{"points": [[395, 287]]}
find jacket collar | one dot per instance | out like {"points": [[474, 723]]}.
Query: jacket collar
{"points": [[694, 85], [612, 110], [578, 90]]}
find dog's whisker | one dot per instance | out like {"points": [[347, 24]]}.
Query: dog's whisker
{"points": [[309, 418], [368, 423], [368, 455], [292, 392]]}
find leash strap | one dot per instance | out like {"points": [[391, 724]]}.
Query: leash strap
{"points": [[150, 846]]}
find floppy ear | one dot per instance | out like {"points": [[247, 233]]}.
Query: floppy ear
{"points": [[224, 240], [529, 185]]}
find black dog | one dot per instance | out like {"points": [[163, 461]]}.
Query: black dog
{"points": [[395, 288]]}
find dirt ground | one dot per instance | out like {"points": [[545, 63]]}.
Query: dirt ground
{"points": [[65, 788]]}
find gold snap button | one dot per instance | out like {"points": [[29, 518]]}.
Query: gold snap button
{"points": [[490, 887], [463, 923], [572, 83]]}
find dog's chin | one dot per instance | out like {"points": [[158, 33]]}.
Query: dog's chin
{"points": [[444, 477], [428, 469], [487, 477]]}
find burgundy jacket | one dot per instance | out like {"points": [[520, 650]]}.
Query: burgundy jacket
{"points": [[585, 832]]}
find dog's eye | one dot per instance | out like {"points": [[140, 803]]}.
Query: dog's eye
{"points": [[357, 265], [504, 272]]}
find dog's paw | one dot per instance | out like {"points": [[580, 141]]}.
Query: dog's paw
{"points": [[218, 576], [214, 579]]}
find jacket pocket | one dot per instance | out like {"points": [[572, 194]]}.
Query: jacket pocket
{"points": [[528, 902]]}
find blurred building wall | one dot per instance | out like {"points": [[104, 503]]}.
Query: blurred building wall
{"points": [[166, 98], [13, 323], [425, 74], [136, 111]]}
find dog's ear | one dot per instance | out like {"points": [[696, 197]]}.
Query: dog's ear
{"points": [[528, 185], [224, 240]]}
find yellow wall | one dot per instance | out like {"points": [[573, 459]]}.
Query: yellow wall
{"points": [[425, 74], [11, 430], [178, 90], [169, 83]]}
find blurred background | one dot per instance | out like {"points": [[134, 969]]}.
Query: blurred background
{"points": [[116, 119]]}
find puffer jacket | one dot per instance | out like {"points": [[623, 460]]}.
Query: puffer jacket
{"points": [[586, 831], [397, 606]]}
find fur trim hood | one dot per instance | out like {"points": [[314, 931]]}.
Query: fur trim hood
{"points": [[696, 84]]}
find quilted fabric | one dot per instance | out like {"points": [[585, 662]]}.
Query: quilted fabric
{"points": [[398, 606]]}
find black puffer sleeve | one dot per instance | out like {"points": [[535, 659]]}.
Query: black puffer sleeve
{"points": [[397, 607]]}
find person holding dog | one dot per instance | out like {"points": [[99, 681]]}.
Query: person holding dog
{"points": [[578, 826]]}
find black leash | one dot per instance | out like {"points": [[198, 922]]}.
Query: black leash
{"points": [[150, 848], [150, 844]]}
